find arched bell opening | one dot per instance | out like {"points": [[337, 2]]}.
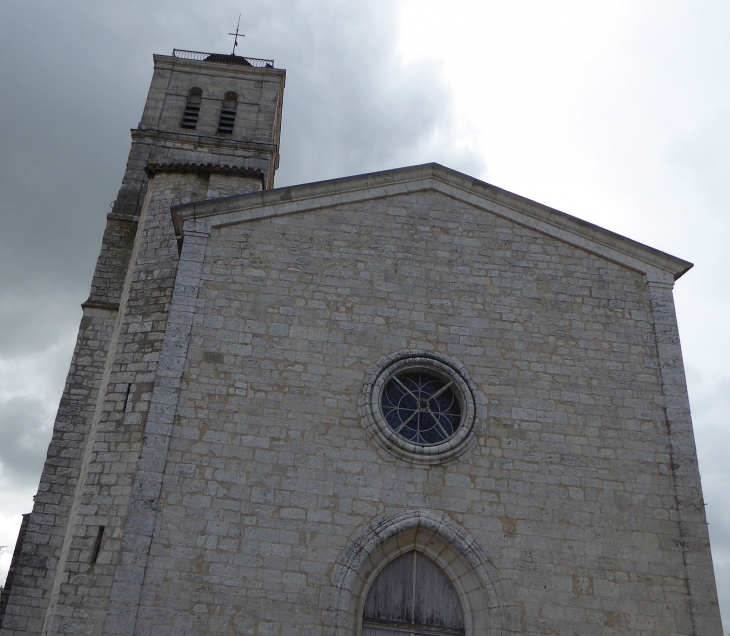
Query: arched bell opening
{"points": [[227, 118], [192, 108]]}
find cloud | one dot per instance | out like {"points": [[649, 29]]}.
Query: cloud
{"points": [[25, 426], [711, 414], [35, 318], [352, 105]]}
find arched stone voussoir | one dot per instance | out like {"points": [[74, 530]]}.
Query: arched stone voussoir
{"points": [[486, 597]]}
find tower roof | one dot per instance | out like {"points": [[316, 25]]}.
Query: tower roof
{"points": [[222, 58]]}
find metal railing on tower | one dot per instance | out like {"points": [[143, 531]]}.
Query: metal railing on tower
{"points": [[222, 58]]}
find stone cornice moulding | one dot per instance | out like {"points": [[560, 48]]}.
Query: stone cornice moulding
{"points": [[658, 266], [154, 167], [125, 218], [92, 303], [202, 141]]}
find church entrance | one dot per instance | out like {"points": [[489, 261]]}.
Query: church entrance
{"points": [[412, 595]]}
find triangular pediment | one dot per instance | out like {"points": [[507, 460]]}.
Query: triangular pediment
{"points": [[657, 265]]}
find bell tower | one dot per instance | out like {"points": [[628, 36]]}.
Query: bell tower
{"points": [[210, 128], [217, 116]]}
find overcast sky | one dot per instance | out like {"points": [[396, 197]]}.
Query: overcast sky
{"points": [[617, 112]]}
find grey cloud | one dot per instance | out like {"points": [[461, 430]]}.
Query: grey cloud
{"points": [[35, 319], [25, 435], [352, 106], [711, 413], [69, 100]]}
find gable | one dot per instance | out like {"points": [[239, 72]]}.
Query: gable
{"points": [[656, 265], [422, 241], [314, 299]]}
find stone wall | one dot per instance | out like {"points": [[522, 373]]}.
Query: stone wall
{"points": [[83, 594], [271, 476], [46, 527], [14, 563]]}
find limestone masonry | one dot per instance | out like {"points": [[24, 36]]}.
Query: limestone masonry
{"points": [[228, 456]]}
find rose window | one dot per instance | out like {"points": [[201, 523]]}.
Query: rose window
{"points": [[421, 407]]}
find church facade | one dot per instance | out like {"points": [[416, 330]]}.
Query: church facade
{"points": [[406, 402]]}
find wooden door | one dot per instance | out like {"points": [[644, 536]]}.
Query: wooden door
{"points": [[412, 595]]}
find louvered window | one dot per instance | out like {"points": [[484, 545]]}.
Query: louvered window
{"points": [[228, 113], [192, 109], [412, 595]]}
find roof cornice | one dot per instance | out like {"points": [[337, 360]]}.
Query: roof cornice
{"points": [[154, 167], [432, 176]]}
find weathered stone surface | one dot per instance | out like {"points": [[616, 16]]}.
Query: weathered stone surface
{"points": [[570, 490], [212, 425]]}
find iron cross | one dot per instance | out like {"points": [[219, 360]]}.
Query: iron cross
{"points": [[236, 34]]}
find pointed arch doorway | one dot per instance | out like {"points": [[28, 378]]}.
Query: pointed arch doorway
{"points": [[412, 595], [484, 597]]}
